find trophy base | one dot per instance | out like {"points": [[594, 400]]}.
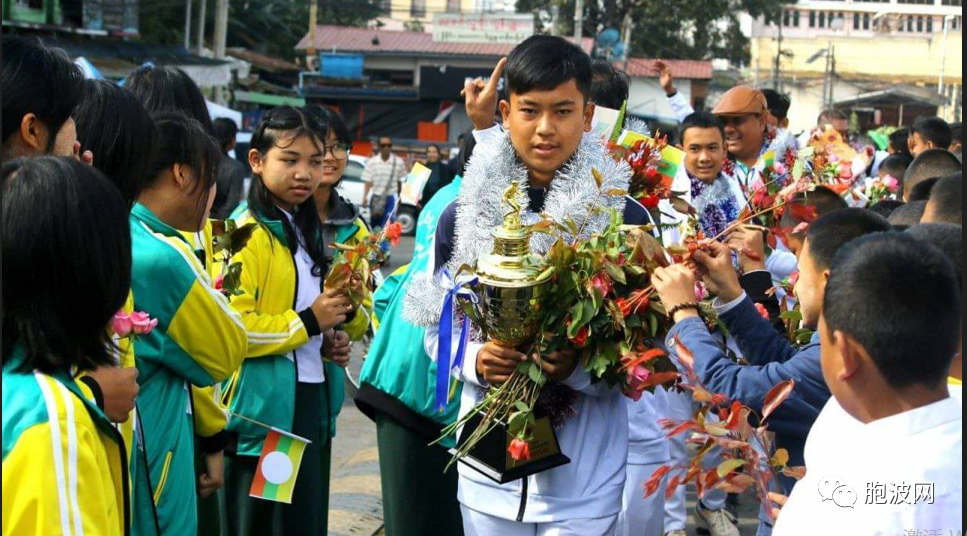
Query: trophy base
{"points": [[491, 459]]}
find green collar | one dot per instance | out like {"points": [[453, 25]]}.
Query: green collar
{"points": [[144, 215], [274, 226]]}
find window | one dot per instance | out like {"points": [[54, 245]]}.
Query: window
{"points": [[418, 9], [867, 21], [918, 2], [822, 19], [929, 24], [787, 18], [812, 19], [795, 19], [910, 24], [952, 2]]}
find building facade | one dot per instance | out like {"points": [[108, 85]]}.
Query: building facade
{"points": [[836, 51]]}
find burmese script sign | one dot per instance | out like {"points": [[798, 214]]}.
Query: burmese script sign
{"points": [[482, 28]]}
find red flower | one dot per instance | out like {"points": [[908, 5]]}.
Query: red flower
{"points": [[519, 450], [761, 309], [649, 201], [393, 233], [624, 306], [581, 337], [219, 282]]}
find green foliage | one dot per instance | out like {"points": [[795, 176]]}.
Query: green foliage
{"points": [[686, 29]]}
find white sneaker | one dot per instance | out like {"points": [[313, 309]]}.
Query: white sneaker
{"points": [[676, 533], [716, 522]]}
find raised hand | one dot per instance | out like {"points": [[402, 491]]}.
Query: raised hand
{"points": [[665, 77], [480, 98]]}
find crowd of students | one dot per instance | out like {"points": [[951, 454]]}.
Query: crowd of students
{"points": [[156, 428]]}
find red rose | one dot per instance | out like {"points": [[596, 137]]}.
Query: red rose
{"points": [[519, 450], [581, 337], [624, 306], [761, 309], [602, 282], [649, 201], [393, 233]]}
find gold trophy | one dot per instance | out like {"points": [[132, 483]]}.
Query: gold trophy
{"points": [[511, 282]]}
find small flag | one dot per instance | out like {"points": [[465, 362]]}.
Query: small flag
{"points": [[278, 466]]}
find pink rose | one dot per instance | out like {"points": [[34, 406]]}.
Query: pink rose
{"points": [[637, 377], [602, 282], [121, 324], [757, 185], [700, 291], [891, 183], [779, 168], [142, 323]]}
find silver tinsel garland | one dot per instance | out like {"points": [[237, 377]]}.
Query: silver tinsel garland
{"points": [[492, 168]]}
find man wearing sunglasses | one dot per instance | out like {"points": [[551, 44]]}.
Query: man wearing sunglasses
{"points": [[383, 174]]}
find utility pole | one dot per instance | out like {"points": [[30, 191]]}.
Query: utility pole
{"points": [[555, 19], [832, 75], [943, 63], [201, 25], [187, 24], [627, 27], [776, 76], [311, 48], [578, 20], [827, 82], [221, 27]]}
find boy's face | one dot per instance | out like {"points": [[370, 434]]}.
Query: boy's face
{"points": [[704, 153], [546, 126], [917, 144], [810, 287]]}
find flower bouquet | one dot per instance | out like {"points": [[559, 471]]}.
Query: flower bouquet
{"points": [[227, 240], [353, 266], [749, 457]]}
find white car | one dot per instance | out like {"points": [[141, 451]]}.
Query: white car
{"points": [[351, 187]]}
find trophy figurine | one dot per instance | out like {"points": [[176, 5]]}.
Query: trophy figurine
{"points": [[511, 281]]}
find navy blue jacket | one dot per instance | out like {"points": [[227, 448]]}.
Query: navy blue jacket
{"points": [[771, 360]]}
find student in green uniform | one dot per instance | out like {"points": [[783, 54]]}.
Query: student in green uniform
{"points": [[199, 340], [285, 381]]}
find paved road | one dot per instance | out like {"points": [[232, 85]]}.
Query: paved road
{"points": [[355, 497]]}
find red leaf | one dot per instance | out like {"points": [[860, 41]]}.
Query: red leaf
{"points": [[732, 421], [681, 428], [660, 378], [794, 472], [685, 357], [776, 396], [803, 213], [672, 486]]}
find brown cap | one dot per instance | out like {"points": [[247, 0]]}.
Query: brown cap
{"points": [[741, 100]]}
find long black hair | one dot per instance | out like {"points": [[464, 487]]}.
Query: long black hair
{"points": [[331, 121], [38, 80], [114, 125], [183, 140], [285, 124], [168, 89], [66, 262]]}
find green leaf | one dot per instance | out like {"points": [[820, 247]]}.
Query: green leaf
{"points": [[653, 324], [726, 467], [794, 315], [633, 321], [520, 405], [536, 374], [516, 423], [615, 272]]}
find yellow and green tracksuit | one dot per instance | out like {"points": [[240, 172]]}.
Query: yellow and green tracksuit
{"points": [[64, 462], [199, 341], [263, 388]]}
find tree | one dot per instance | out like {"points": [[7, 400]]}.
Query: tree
{"points": [[271, 26], [688, 29]]}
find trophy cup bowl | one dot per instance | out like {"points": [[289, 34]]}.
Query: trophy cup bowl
{"points": [[511, 284]]}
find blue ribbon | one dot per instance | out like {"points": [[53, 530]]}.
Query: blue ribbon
{"points": [[445, 340]]}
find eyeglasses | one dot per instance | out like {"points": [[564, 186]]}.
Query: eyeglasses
{"points": [[386, 145], [340, 151]]}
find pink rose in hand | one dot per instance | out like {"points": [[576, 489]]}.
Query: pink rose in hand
{"points": [[637, 377], [891, 183], [121, 324], [142, 323], [700, 291]]}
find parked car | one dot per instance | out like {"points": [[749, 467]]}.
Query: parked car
{"points": [[352, 188]]}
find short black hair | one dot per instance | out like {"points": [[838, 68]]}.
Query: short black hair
{"points": [[910, 331], [170, 89], [831, 232], [899, 141], [829, 115], [821, 199], [225, 131], [946, 237], [183, 140], [66, 263], [113, 124], [544, 62], [609, 85], [700, 120], [921, 191], [885, 208], [934, 130], [38, 80], [777, 103], [896, 165], [946, 199], [907, 215], [467, 145], [929, 164], [332, 122], [956, 132]]}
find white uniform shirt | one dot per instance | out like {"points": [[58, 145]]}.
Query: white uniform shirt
{"points": [[308, 357], [888, 477]]}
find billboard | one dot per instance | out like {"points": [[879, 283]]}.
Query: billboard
{"points": [[482, 28]]}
